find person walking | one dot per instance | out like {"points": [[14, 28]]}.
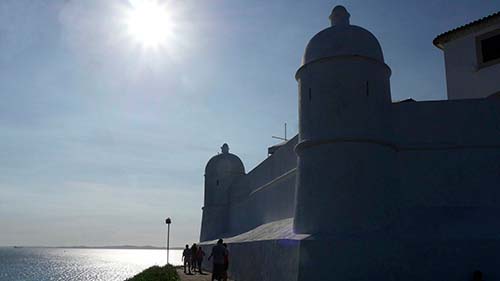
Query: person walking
{"points": [[218, 253], [186, 257], [199, 258], [226, 263], [194, 251]]}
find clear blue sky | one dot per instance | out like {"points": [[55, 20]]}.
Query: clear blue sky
{"points": [[102, 139]]}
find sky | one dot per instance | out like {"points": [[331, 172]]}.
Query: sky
{"points": [[102, 138]]}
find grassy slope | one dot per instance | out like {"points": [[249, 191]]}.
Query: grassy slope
{"points": [[156, 273]]}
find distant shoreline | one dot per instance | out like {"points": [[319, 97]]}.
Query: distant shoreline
{"points": [[126, 247]]}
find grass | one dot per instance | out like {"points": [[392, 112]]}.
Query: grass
{"points": [[157, 273]]}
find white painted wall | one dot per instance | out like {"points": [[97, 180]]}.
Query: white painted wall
{"points": [[221, 172], [405, 191], [465, 78], [265, 194], [267, 253]]}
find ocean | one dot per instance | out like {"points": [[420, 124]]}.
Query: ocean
{"points": [[54, 264]]}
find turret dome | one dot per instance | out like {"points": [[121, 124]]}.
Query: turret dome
{"points": [[342, 39], [225, 163]]}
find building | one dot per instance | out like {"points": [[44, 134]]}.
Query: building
{"points": [[472, 56], [371, 189]]}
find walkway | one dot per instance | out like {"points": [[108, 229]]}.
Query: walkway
{"points": [[207, 276]]}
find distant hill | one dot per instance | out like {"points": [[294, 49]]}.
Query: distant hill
{"points": [[128, 247], [120, 247]]}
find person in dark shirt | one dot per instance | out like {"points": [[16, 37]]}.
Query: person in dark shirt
{"points": [[218, 254], [194, 250], [477, 276], [226, 263], [186, 257]]}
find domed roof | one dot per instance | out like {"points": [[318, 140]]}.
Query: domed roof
{"points": [[225, 163], [341, 39]]}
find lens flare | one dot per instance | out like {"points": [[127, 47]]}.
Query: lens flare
{"points": [[150, 23]]}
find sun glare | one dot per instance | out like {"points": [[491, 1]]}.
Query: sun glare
{"points": [[149, 23]]}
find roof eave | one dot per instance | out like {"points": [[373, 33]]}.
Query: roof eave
{"points": [[446, 37]]}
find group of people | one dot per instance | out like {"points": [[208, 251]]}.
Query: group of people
{"points": [[193, 259]]}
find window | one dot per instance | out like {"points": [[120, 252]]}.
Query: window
{"points": [[491, 48], [488, 48]]}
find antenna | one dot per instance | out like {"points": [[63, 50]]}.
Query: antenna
{"points": [[281, 138]]}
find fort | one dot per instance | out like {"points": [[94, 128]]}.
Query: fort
{"points": [[371, 189]]}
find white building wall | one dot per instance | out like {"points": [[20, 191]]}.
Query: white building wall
{"points": [[265, 194], [447, 123], [272, 202], [282, 161], [449, 157], [465, 78]]}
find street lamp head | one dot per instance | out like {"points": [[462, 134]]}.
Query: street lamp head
{"points": [[168, 221]]}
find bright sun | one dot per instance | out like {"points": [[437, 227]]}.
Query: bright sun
{"points": [[149, 23]]}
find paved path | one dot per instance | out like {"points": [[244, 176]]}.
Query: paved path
{"points": [[207, 276]]}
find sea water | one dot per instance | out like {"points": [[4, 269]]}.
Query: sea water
{"points": [[56, 264]]}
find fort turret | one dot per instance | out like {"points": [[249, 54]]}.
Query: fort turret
{"points": [[220, 173], [401, 191], [345, 160]]}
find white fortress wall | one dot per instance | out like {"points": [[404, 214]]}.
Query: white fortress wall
{"points": [[380, 190], [449, 167], [447, 122], [266, 253], [266, 193], [449, 152]]}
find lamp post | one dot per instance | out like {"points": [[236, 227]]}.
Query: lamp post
{"points": [[168, 221]]}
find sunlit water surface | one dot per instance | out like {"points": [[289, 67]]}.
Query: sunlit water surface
{"points": [[41, 264]]}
